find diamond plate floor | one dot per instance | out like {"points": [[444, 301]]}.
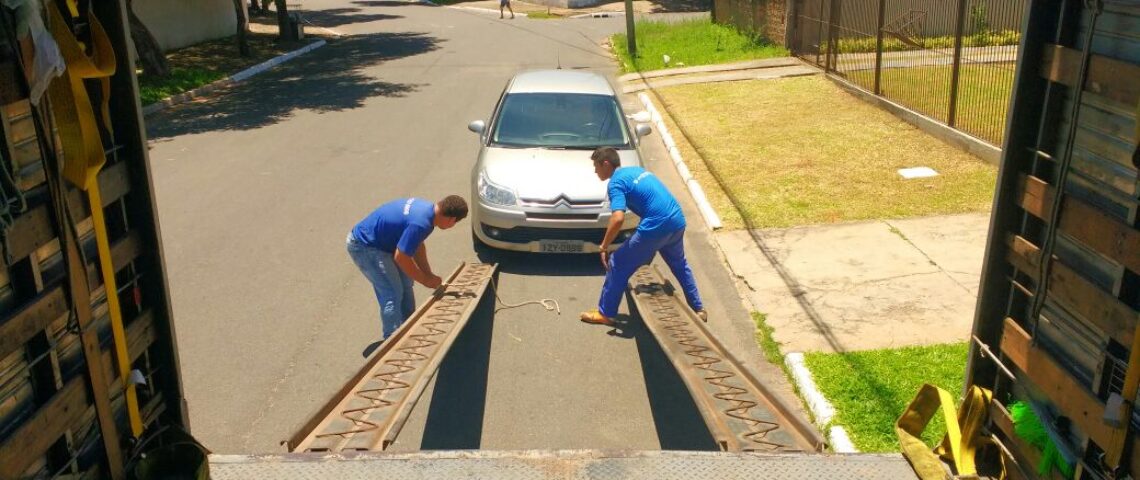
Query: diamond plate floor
{"points": [[576, 465]]}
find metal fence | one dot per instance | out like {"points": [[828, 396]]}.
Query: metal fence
{"points": [[952, 60]]}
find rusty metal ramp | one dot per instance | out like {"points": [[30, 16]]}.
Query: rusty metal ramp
{"points": [[368, 413], [741, 413]]}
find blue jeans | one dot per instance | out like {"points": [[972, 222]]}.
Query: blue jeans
{"points": [[639, 250], [393, 287]]}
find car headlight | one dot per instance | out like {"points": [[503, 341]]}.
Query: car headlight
{"points": [[494, 194]]}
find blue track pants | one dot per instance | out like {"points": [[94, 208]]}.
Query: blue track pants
{"points": [[639, 250]]}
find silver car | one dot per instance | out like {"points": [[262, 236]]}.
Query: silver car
{"points": [[533, 185]]}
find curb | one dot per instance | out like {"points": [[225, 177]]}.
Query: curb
{"points": [[185, 97], [821, 409], [711, 218]]}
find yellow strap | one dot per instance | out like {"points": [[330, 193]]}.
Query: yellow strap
{"points": [[964, 431], [84, 156], [79, 134]]}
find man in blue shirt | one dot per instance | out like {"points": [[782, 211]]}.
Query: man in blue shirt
{"points": [[662, 230], [388, 248]]}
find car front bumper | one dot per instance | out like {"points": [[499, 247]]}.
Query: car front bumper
{"points": [[513, 229]]}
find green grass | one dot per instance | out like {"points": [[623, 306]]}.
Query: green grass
{"points": [[787, 152], [890, 44], [768, 343], [542, 16], [690, 43], [983, 94], [871, 389], [181, 80], [206, 62]]}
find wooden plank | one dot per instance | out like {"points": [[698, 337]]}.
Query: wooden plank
{"points": [[34, 228], [36, 316], [1035, 196], [29, 442], [1067, 394], [140, 335], [29, 231], [126, 250], [21, 129], [49, 306], [1086, 223], [1107, 77], [1101, 232], [1116, 319]]}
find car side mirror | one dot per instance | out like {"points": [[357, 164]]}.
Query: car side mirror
{"points": [[478, 126], [642, 130]]}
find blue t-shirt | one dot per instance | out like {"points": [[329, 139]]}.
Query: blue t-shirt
{"points": [[638, 190], [400, 224]]}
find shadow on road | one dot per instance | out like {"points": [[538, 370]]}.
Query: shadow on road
{"points": [[679, 423], [329, 79], [335, 17], [389, 3], [524, 263], [455, 417]]}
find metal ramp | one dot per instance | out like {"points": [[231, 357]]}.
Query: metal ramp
{"points": [[562, 465], [742, 415], [760, 438], [368, 413]]}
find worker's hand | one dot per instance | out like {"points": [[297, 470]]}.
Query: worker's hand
{"points": [[433, 281], [605, 260]]}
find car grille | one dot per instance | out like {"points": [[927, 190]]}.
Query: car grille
{"points": [[532, 234], [562, 199], [562, 216]]}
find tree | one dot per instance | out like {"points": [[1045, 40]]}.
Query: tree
{"points": [[242, 26], [151, 58], [284, 24]]}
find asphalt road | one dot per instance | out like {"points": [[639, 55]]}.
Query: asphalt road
{"points": [[257, 188]]}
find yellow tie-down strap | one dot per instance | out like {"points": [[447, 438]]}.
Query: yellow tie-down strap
{"points": [[964, 432], [83, 157]]}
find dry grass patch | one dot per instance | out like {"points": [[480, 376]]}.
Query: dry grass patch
{"points": [[801, 151]]}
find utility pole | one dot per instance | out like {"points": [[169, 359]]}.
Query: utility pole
{"points": [[631, 40]]}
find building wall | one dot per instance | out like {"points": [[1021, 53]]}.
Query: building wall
{"points": [[178, 23]]}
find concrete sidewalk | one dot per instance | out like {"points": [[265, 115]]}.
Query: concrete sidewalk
{"points": [[860, 286]]}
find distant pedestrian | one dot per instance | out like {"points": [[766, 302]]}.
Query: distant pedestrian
{"points": [[505, 3], [387, 246], [662, 230]]}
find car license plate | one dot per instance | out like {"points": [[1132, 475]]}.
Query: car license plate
{"points": [[560, 246]]}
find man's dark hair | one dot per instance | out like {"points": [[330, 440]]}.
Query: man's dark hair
{"points": [[453, 206], [606, 154]]}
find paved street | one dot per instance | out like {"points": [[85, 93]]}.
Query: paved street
{"points": [[256, 190]]}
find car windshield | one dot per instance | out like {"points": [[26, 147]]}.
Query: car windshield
{"points": [[559, 120]]}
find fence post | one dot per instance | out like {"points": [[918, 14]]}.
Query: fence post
{"points": [[832, 36], [879, 47], [959, 32], [792, 26]]}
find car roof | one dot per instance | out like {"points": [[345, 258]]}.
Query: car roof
{"points": [[554, 81]]}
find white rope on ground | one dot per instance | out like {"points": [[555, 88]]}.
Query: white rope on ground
{"points": [[550, 304]]}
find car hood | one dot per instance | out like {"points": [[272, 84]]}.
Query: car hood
{"points": [[544, 175]]}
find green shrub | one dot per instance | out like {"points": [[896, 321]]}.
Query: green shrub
{"points": [[891, 44]]}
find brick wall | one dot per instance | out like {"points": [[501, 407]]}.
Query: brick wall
{"points": [[766, 17]]}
